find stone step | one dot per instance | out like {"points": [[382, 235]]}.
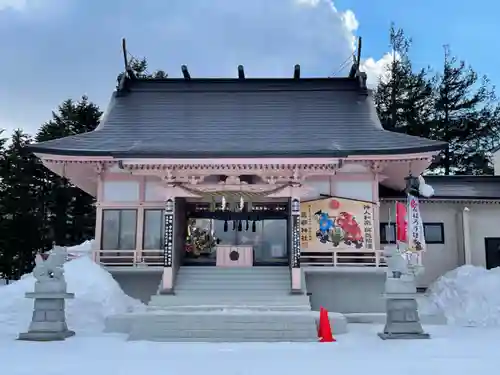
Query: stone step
{"points": [[238, 300], [232, 288], [122, 323], [233, 316], [235, 278], [225, 326], [283, 285], [185, 308], [240, 280], [241, 272], [213, 339], [235, 270], [243, 278], [214, 304]]}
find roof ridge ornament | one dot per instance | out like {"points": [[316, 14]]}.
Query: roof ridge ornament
{"points": [[185, 72], [128, 70], [362, 78], [353, 73]]}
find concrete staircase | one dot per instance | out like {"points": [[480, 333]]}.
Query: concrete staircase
{"points": [[214, 304], [261, 288]]}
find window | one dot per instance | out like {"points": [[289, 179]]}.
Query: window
{"points": [[434, 233], [119, 229], [387, 233], [153, 229]]}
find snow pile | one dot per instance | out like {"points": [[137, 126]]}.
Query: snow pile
{"points": [[84, 249], [97, 295], [468, 296]]}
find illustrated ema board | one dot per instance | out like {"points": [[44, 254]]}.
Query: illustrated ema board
{"points": [[336, 224]]}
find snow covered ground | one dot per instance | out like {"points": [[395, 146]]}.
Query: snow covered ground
{"points": [[468, 296], [452, 350]]}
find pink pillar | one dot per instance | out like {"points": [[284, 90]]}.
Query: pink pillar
{"points": [[98, 235], [98, 221], [376, 213], [139, 239]]}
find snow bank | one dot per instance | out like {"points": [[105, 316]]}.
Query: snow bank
{"points": [[97, 295], [468, 296], [84, 249]]}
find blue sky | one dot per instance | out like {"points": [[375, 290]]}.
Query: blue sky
{"points": [[58, 49]]}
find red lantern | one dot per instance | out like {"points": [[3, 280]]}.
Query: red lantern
{"points": [[334, 204]]}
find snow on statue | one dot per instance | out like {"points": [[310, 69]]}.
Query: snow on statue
{"points": [[396, 263], [50, 272], [424, 190]]}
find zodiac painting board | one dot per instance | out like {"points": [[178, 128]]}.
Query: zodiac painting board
{"points": [[336, 223]]}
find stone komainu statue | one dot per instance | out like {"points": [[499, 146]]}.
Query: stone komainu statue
{"points": [[49, 274], [396, 263]]}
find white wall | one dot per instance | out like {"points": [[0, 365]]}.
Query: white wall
{"points": [[496, 163], [484, 222], [120, 191], [153, 191], [340, 187], [317, 187], [439, 258], [362, 190]]}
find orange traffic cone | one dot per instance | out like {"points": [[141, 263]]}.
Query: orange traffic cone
{"points": [[319, 323], [324, 329]]}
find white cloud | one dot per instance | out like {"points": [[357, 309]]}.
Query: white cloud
{"points": [[13, 4], [376, 69], [268, 37], [211, 36], [40, 6]]}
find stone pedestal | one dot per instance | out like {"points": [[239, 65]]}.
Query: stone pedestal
{"points": [[403, 321], [48, 322]]}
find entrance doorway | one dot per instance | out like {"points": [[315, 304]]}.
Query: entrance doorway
{"points": [[263, 228], [492, 246]]}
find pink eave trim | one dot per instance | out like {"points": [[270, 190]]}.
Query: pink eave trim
{"points": [[74, 158], [241, 161], [112, 176], [348, 176]]}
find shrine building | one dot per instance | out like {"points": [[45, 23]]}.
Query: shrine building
{"points": [[294, 176]]}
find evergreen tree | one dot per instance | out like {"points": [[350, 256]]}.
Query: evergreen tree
{"points": [[70, 213], [21, 201], [140, 69], [466, 115], [404, 98], [5, 269]]}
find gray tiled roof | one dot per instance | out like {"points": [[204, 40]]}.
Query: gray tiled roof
{"points": [[456, 187], [245, 118]]}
